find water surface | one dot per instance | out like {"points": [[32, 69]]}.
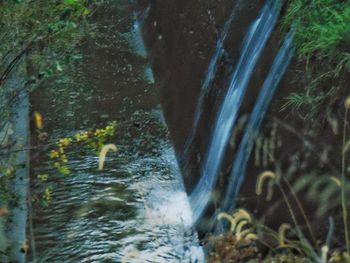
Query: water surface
{"points": [[136, 207]]}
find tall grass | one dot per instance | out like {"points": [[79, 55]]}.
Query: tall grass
{"points": [[326, 190], [322, 40]]}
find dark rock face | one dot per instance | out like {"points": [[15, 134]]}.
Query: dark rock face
{"points": [[181, 37]]}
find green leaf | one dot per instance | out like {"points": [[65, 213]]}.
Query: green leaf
{"points": [[72, 2]]}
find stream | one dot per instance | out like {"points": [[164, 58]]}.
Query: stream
{"points": [[136, 209]]}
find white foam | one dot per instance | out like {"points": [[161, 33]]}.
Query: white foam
{"points": [[173, 209]]}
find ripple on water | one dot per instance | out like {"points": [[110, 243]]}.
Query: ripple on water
{"points": [[104, 216]]}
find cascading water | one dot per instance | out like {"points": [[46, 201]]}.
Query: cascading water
{"points": [[268, 89], [137, 207], [252, 48], [138, 43], [208, 80]]}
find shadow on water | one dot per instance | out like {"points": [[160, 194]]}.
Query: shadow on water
{"points": [[137, 204]]}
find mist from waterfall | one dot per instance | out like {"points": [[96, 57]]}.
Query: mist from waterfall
{"points": [[253, 46]]}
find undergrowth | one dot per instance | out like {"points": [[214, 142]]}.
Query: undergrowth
{"points": [[322, 40], [322, 30], [297, 240]]}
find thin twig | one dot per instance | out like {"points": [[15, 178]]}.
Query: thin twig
{"points": [[302, 211], [343, 190]]}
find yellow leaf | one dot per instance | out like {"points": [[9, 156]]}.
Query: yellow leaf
{"points": [[347, 103], [4, 211], [38, 120]]}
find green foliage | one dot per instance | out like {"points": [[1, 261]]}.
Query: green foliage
{"points": [[42, 36], [38, 44], [322, 29], [312, 100], [82, 141], [322, 40], [39, 41], [90, 140]]}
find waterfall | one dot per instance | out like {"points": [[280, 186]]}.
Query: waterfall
{"points": [[138, 44], [137, 41], [252, 48], [209, 78], [268, 89]]}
